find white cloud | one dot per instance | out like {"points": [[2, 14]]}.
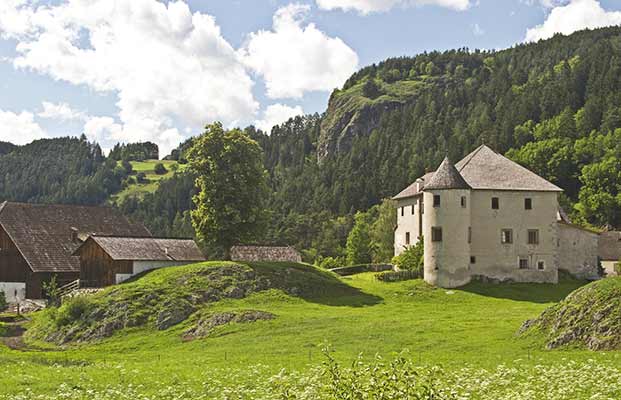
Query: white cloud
{"points": [[19, 128], [371, 6], [61, 112], [276, 114], [167, 66], [477, 30], [294, 58], [577, 15]]}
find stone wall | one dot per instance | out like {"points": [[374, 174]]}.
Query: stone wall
{"points": [[265, 253], [578, 251]]}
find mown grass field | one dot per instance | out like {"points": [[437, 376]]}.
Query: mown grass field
{"points": [[473, 327], [153, 179]]}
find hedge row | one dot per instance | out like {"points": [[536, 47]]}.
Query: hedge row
{"points": [[357, 269]]}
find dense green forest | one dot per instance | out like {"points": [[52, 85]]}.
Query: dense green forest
{"points": [[62, 170], [6, 148], [135, 151], [553, 106]]}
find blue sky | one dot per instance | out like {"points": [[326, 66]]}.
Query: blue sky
{"points": [[122, 70]]}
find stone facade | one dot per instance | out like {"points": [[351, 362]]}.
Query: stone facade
{"points": [[265, 253], [489, 218]]}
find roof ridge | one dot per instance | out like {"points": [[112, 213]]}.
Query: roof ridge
{"points": [[471, 156], [4, 203]]}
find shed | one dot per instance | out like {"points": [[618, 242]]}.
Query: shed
{"points": [[108, 260], [265, 253], [37, 242]]}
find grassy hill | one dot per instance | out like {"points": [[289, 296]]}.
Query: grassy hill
{"points": [[470, 333], [137, 189]]}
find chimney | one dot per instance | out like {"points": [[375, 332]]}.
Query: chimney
{"points": [[74, 235]]}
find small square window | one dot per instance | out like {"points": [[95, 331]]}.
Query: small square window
{"points": [[533, 236], [473, 260], [436, 234], [469, 234], [506, 236], [528, 204], [463, 202], [436, 200], [541, 265], [523, 263], [495, 203], [407, 238]]}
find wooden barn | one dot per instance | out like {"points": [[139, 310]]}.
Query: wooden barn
{"points": [[37, 242], [108, 260]]}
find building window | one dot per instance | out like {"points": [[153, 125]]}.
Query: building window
{"points": [[506, 236], [407, 238], [541, 265], [463, 202], [436, 234], [533, 236], [469, 234], [523, 263], [528, 204], [473, 260], [402, 212], [495, 203], [412, 209], [422, 206], [436, 200]]}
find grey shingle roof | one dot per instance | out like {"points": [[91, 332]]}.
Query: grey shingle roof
{"points": [[486, 169], [43, 233], [610, 246], [446, 177], [149, 248]]}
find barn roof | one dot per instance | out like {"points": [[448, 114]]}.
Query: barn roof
{"points": [[610, 246], [149, 248], [485, 169], [45, 234]]}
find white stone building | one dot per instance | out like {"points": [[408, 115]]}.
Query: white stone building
{"points": [[488, 217]]}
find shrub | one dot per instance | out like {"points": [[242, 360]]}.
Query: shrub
{"points": [[160, 169], [73, 309], [127, 166], [396, 276], [3, 303], [141, 177], [412, 258], [330, 263], [52, 292]]}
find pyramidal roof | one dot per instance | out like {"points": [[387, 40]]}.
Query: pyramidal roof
{"points": [[447, 177], [483, 169], [486, 169]]}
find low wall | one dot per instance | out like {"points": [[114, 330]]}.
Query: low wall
{"points": [[264, 253]]}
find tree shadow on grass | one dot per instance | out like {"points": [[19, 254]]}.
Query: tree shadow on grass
{"points": [[529, 292]]}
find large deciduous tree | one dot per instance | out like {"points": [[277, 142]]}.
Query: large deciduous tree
{"points": [[231, 179]]}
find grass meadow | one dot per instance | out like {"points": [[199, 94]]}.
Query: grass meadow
{"points": [[467, 334]]}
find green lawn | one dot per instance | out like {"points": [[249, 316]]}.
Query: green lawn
{"points": [[474, 326], [147, 167]]}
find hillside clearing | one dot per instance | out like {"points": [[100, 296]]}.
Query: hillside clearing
{"points": [[152, 179], [474, 326]]}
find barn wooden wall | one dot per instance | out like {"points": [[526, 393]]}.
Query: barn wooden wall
{"points": [[98, 269]]}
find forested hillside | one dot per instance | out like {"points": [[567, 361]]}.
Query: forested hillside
{"points": [[6, 147], [554, 106], [62, 170]]}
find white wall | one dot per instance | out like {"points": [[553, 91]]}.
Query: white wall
{"points": [[578, 251], [500, 261], [447, 261], [11, 288], [409, 222], [609, 267]]}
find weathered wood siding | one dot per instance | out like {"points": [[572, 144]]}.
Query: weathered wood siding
{"points": [[13, 267], [97, 268]]}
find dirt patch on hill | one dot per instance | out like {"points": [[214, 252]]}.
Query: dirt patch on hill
{"points": [[589, 317]]}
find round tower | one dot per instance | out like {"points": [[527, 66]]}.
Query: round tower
{"points": [[446, 227]]}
